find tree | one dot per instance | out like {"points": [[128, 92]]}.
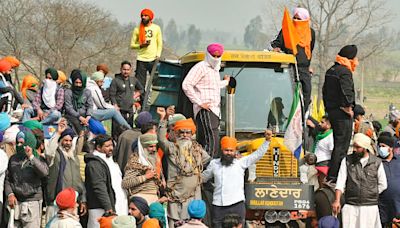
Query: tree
{"points": [[171, 34], [159, 22], [254, 38], [193, 38]]}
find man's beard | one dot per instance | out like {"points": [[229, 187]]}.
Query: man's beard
{"points": [[184, 145], [358, 156], [151, 157], [145, 22], [227, 160]]}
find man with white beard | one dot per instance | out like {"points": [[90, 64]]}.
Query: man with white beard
{"points": [[186, 159], [143, 172]]}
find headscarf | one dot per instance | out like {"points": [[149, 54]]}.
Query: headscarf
{"points": [[62, 78], [13, 61], [77, 92], [29, 82], [394, 115], [5, 121], [363, 141], [302, 13], [151, 223], [66, 132], [142, 32], [197, 209], [106, 222], [303, 29], [29, 140], [103, 67], [66, 198], [49, 91], [228, 143], [124, 221], [174, 118], [214, 49], [347, 57], [5, 66], [187, 124], [148, 139], [97, 76], [33, 124], [143, 118], [141, 204], [53, 72], [157, 212]]}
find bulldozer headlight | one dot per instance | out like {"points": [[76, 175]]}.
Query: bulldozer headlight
{"points": [[284, 216], [271, 216]]}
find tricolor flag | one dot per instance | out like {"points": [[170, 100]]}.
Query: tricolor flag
{"points": [[294, 130], [290, 35]]}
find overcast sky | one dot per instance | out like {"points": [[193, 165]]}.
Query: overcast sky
{"points": [[205, 14]]}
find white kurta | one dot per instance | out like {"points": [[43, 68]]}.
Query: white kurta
{"points": [[360, 216]]}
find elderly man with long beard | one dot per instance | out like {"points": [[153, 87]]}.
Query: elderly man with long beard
{"points": [[186, 159], [228, 172], [143, 173]]}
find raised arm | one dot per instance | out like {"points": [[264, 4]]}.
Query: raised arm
{"points": [[163, 142], [259, 153]]}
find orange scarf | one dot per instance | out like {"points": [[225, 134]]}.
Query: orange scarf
{"points": [[29, 82], [350, 64], [304, 31], [142, 33]]}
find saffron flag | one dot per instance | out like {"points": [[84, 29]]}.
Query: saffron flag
{"points": [[290, 35], [294, 131]]}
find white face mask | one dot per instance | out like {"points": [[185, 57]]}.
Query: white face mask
{"points": [[383, 151], [215, 63]]}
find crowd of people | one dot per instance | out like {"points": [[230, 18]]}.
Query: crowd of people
{"points": [[150, 173]]}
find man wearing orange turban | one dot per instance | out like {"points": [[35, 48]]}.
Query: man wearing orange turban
{"points": [[186, 159], [301, 22], [7, 90], [228, 172], [147, 40]]}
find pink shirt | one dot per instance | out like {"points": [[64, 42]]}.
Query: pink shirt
{"points": [[203, 85]]}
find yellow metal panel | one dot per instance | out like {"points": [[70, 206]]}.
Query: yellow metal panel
{"points": [[243, 56]]}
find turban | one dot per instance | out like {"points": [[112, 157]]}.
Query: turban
{"points": [[197, 209], [124, 221], [103, 67], [78, 74], [151, 223], [5, 122], [66, 132], [96, 127], [176, 117], [106, 222], [363, 141], [29, 140], [97, 76], [33, 124], [148, 139], [147, 12], [228, 143], [13, 61], [187, 124], [157, 212], [388, 140], [5, 66], [29, 82], [141, 204], [143, 118], [394, 115], [62, 78], [302, 13], [348, 51], [66, 198], [10, 134], [53, 72], [328, 221], [215, 49]]}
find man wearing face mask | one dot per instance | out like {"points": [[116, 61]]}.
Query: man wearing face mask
{"points": [[202, 86], [228, 172], [49, 100], [361, 179], [389, 200], [147, 39]]}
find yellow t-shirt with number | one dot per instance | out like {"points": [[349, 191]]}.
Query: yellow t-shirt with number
{"points": [[151, 52]]}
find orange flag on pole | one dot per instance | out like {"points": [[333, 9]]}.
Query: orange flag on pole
{"points": [[290, 35]]}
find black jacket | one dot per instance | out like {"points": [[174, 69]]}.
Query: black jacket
{"points": [[301, 56], [121, 91], [24, 177], [98, 185], [338, 89]]}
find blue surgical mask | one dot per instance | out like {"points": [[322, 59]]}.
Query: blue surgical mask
{"points": [[383, 151]]}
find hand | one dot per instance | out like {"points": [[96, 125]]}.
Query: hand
{"points": [[83, 209], [24, 106], [170, 110], [87, 120], [116, 107], [28, 151], [145, 45], [40, 114], [310, 123], [227, 78], [83, 120], [396, 220], [268, 135], [276, 49], [62, 125], [150, 173], [161, 112], [205, 106], [136, 95], [336, 207], [12, 200], [348, 111], [163, 199]]}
